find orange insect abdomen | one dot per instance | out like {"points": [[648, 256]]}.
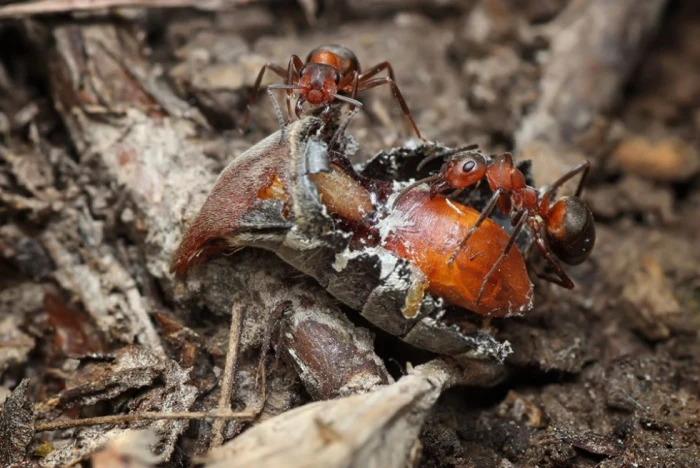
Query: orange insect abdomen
{"points": [[426, 232]]}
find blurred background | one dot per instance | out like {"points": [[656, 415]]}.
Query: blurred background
{"points": [[116, 117]]}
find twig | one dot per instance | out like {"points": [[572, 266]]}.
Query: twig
{"points": [[45, 7], [234, 338], [119, 419]]}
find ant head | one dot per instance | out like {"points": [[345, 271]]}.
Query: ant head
{"points": [[319, 82], [464, 169], [570, 230]]}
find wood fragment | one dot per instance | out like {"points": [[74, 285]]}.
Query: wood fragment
{"points": [[379, 428], [237, 313], [46, 7], [595, 45], [119, 419], [16, 426]]}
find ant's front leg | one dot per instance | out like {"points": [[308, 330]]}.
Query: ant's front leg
{"points": [[299, 107], [256, 88], [278, 111], [326, 113], [522, 220], [293, 68], [488, 209]]}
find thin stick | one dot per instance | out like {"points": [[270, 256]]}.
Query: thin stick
{"points": [[43, 7], [119, 419], [234, 338]]}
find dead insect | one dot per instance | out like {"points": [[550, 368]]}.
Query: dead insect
{"points": [[425, 231], [563, 229], [273, 197], [331, 73]]}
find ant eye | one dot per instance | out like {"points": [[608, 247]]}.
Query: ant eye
{"points": [[336, 77], [468, 166], [302, 71]]}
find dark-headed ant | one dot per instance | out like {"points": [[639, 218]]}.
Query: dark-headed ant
{"points": [[331, 73], [563, 229]]}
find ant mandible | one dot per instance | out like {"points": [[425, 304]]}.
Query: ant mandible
{"points": [[563, 229], [331, 73]]}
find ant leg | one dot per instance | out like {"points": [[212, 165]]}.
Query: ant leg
{"points": [[351, 80], [326, 113], [299, 107], [584, 176], [364, 86], [256, 88], [295, 65], [344, 124], [278, 112], [376, 69], [563, 279], [486, 212], [522, 219], [582, 168], [355, 107], [456, 193]]}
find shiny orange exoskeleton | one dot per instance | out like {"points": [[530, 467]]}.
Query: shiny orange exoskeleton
{"points": [[331, 73], [427, 229], [563, 229]]}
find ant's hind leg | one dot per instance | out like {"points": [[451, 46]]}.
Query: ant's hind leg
{"points": [[370, 72], [582, 169], [562, 279], [355, 107]]}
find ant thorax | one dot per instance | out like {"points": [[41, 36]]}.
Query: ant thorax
{"points": [[524, 199]]}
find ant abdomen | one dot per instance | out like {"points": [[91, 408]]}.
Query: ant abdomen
{"points": [[571, 230]]}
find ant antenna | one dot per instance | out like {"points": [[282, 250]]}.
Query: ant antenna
{"points": [[410, 187]]}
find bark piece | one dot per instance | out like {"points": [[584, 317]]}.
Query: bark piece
{"points": [[375, 429], [334, 358], [595, 46], [16, 426], [136, 369]]}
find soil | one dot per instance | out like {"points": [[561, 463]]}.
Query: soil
{"points": [[114, 124]]}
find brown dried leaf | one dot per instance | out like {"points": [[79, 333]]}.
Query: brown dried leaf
{"points": [[74, 334], [173, 394], [16, 426], [134, 367]]}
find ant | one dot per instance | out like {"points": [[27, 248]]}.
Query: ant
{"points": [[331, 73], [563, 229]]}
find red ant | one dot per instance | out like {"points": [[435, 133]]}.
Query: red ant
{"points": [[331, 73], [563, 229]]}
